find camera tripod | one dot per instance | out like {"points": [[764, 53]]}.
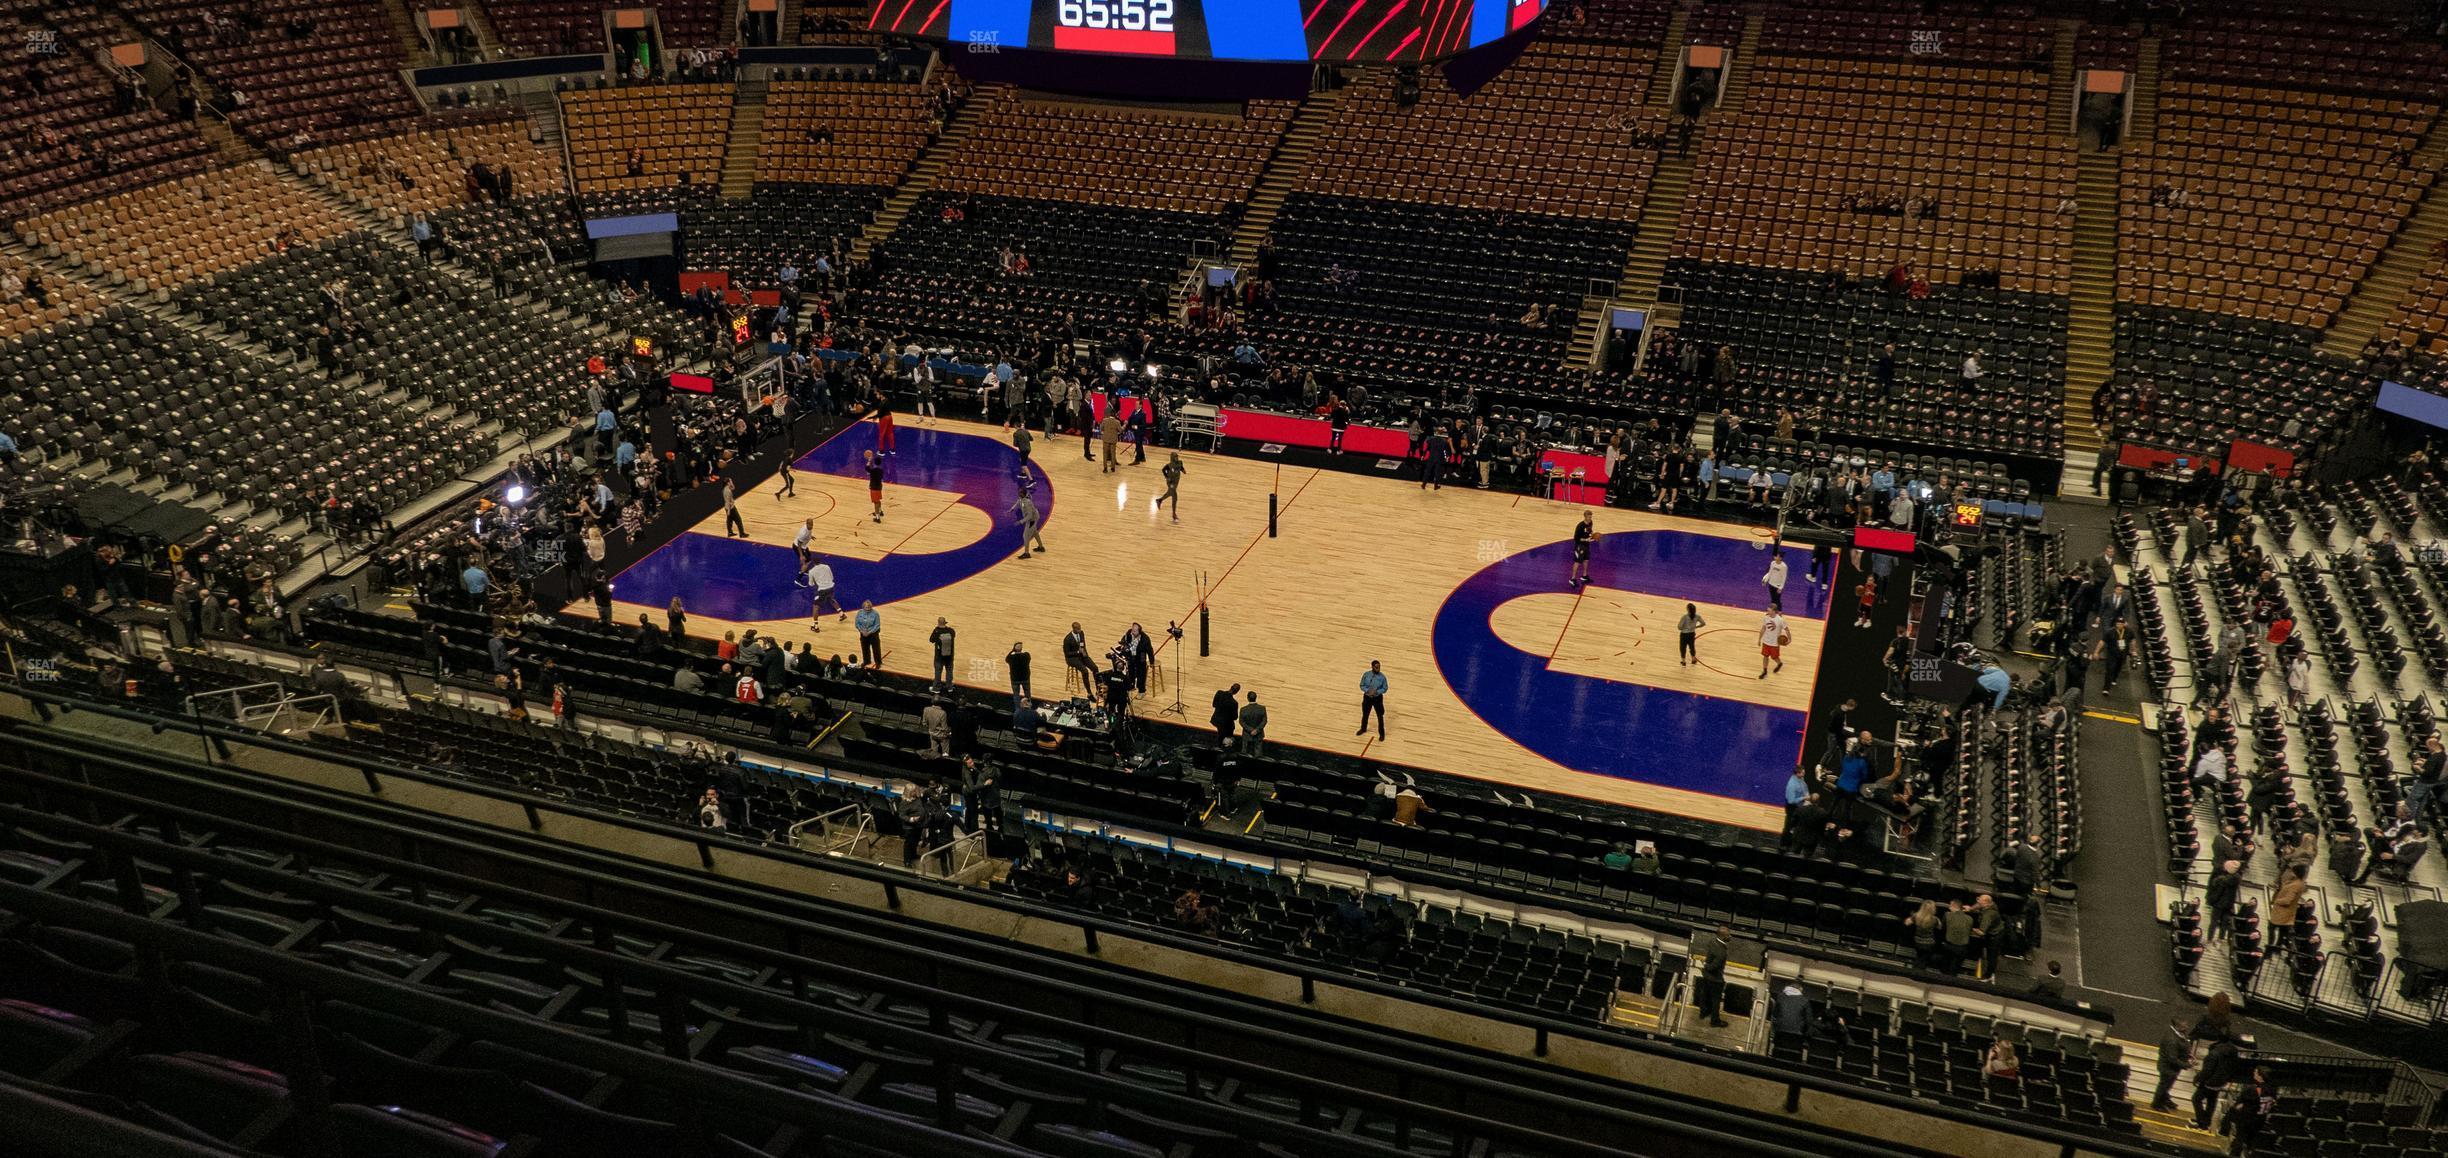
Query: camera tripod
{"points": [[1175, 708]]}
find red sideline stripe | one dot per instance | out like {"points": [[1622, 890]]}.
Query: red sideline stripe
{"points": [[1114, 40]]}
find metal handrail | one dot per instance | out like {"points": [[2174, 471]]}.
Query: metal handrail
{"points": [[298, 977], [865, 824], [233, 694], [766, 1002], [1795, 1082]]}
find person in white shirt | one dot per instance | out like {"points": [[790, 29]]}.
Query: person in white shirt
{"points": [[2210, 770], [1972, 369], [1773, 639], [820, 577], [800, 541], [1775, 579]]}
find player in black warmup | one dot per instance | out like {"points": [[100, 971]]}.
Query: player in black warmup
{"points": [[875, 484], [1584, 533]]}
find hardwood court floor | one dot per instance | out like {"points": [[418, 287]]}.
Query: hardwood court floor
{"points": [[1499, 669]]}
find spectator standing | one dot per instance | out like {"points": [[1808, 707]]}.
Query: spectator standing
{"points": [[938, 728], [2219, 1067], [2219, 898], [1253, 727], [870, 628], [1372, 698], [1955, 931], [1017, 660], [939, 642], [1225, 713], [1709, 952]]}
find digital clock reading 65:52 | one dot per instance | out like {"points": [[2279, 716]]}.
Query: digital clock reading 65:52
{"points": [[1135, 27], [1127, 15]]}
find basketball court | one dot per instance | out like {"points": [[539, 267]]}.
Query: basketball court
{"points": [[1500, 669]]}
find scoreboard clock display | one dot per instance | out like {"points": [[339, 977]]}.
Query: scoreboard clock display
{"points": [[1128, 27], [1359, 31]]}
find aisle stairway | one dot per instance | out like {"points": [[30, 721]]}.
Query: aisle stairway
{"points": [[2166, 1127], [1730, 92], [747, 132], [2386, 284], [1277, 181], [923, 174], [1635, 1009], [2061, 77], [1670, 58], [1645, 265], [404, 29], [2144, 124], [488, 42], [227, 144], [1636, 285], [2091, 320]]}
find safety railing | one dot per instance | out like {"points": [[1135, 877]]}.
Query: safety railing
{"points": [[1089, 927], [837, 831]]}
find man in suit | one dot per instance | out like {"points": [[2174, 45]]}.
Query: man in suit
{"points": [[938, 729], [2114, 607], [1075, 657], [1253, 727], [1708, 978], [2219, 898], [1226, 714]]}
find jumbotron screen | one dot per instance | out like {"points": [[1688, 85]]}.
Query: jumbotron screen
{"points": [[1251, 30]]}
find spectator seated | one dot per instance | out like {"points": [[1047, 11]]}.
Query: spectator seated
{"points": [[313, 72], [842, 133], [647, 138], [2216, 213], [32, 298], [426, 169], [403, 325], [1090, 263], [780, 224], [1634, 22], [225, 422], [174, 233], [547, 27], [1182, 162], [74, 130], [2195, 382], [1809, 346], [1850, 167], [1514, 146]]}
